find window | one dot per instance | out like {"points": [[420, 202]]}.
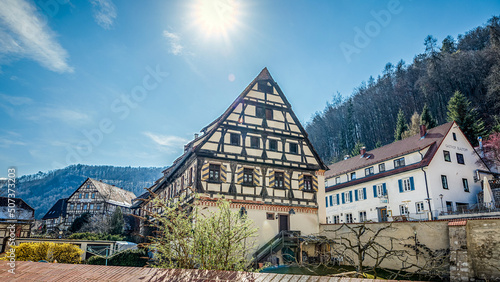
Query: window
{"points": [[353, 175], [336, 219], [348, 218], [419, 206], [264, 87], [294, 148], [399, 162], [361, 194], [270, 216], [214, 172], [91, 206], [380, 190], [454, 136], [337, 180], [269, 114], [307, 182], [362, 216], [78, 206], [369, 171], [381, 167], [279, 180], [260, 112], [444, 181], [460, 158], [331, 200], [86, 195], [466, 184], [273, 145], [406, 185], [254, 142], [403, 210], [235, 139], [80, 196], [348, 197], [447, 156], [72, 207], [93, 195], [248, 176], [84, 206], [98, 207]]}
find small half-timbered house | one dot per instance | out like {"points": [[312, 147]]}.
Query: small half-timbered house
{"points": [[257, 154]]}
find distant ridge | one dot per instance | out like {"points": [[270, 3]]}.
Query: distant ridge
{"points": [[42, 190]]}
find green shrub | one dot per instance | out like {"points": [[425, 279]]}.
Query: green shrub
{"points": [[96, 236], [138, 257], [63, 253]]}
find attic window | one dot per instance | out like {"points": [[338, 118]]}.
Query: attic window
{"points": [[294, 148], [235, 139], [265, 87], [260, 112], [269, 114]]}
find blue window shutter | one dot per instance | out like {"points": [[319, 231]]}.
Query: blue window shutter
{"points": [[326, 200], [350, 195], [356, 195], [338, 199], [375, 191], [384, 188], [364, 193], [331, 202], [343, 198], [412, 185], [400, 181]]}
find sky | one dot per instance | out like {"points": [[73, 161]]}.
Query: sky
{"points": [[128, 83]]}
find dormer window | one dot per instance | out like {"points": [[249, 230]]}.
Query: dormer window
{"points": [[369, 171], [353, 175], [399, 162]]}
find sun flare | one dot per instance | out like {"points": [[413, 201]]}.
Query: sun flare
{"points": [[216, 16]]}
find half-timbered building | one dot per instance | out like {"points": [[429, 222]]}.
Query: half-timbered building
{"points": [[257, 154]]}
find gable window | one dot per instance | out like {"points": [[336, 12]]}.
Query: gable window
{"points": [[235, 139], [264, 87], [348, 218], [460, 158], [403, 209], [248, 176], [80, 196], [465, 182], [369, 171], [307, 182], [72, 207], [353, 175], [447, 157], [444, 181], [454, 136], [279, 180], [78, 206], [362, 216], [294, 148], [399, 162], [214, 172], [273, 145], [91, 206], [260, 112], [93, 195], [337, 180], [269, 114], [381, 167], [86, 195], [419, 206], [254, 142]]}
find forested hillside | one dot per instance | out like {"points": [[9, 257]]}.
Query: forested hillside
{"points": [[470, 64], [42, 190]]}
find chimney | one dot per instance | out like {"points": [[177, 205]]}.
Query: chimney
{"points": [[423, 131], [195, 135], [362, 151], [346, 157]]}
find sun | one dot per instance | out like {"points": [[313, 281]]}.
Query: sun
{"points": [[216, 17]]}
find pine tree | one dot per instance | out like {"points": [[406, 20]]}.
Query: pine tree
{"points": [[357, 148], [401, 125], [426, 118], [414, 127], [116, 223], [460, 111]]}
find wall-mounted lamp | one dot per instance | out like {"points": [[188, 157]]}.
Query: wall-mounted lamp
{"points": [[291, 211]]}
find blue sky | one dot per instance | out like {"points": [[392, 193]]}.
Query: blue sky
{"points": [[129, 82]]}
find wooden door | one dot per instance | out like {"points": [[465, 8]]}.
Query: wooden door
{"points": [[283, 222]]}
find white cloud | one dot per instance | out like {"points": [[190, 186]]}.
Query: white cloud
{"points": [[104, 12], [5, 142], [174, 41], [15, 101], [166, 142], [24, 34]]}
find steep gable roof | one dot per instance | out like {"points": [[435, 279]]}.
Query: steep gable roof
{"points": [[399, 148], [20, 203], [58, 209], [113, 194]]}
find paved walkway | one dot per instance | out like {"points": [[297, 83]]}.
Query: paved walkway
{"points": [[38, 271]]}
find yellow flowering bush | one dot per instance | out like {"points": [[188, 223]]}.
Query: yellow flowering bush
{"points": [[63, 253]]}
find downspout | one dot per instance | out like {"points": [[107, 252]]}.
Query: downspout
{"points": [[426, 186]]}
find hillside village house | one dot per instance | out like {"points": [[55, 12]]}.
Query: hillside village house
{"points": [[257, 155], [420, 177], [94, 197], [18, 212]]}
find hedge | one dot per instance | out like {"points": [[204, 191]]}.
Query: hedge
{"points": [[137, 257], [62, 253]]}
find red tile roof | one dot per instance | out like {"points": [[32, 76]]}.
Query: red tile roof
{"points": [[38, 271], [402, 147]]}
